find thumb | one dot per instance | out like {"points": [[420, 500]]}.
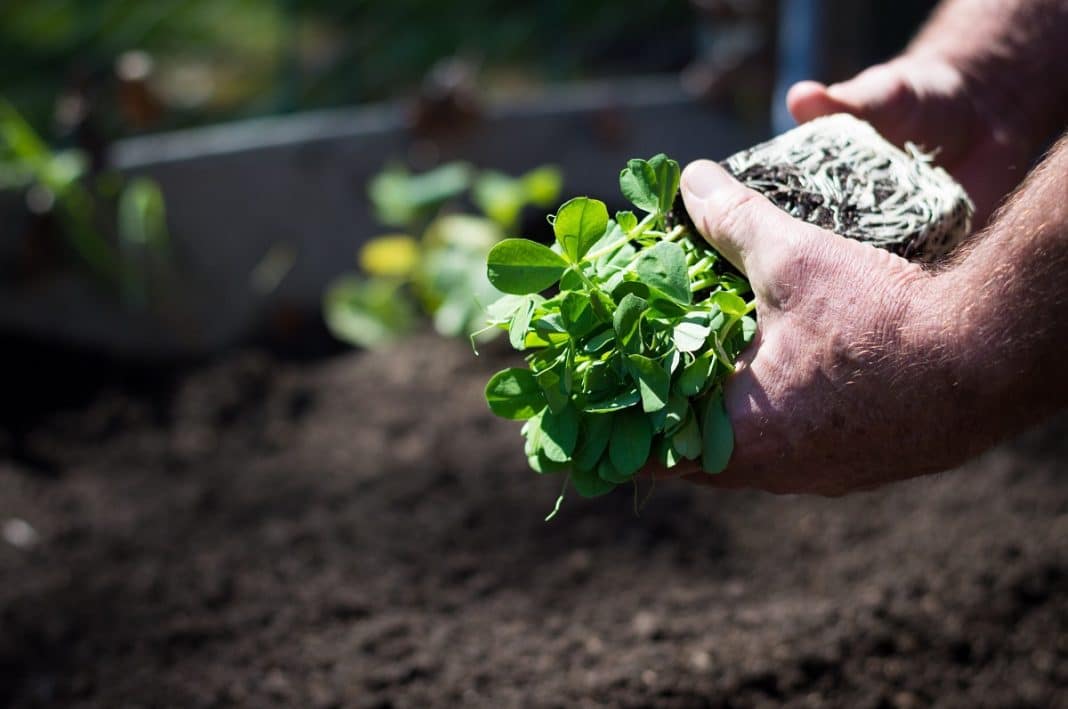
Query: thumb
{"points": [[879, 95], [743, 225]]}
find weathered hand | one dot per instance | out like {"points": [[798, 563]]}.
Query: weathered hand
{"points": [[926, 100], [847, 383]]}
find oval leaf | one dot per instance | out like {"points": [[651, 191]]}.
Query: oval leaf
{"points": [[514, 394], [596, 430], [637, 182], [628, 447], [521, 266], [717, 436], [559, 434], [695, 376], [579, 223], [729, 303], [663, 267], [690, 334], [687, 440], [589, 484], [653, 382]]}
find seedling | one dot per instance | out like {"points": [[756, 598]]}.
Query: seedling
{"points": [[626, 360], [442, 273], [631, 324]]}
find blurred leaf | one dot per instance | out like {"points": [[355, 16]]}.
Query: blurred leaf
{"points": [[390, 256], [464, 231], [401, 199], [142, 215], [542, 185], [366, 313]]}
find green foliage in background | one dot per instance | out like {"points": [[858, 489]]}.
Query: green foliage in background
{"points": [[115, 227], [626, 357], [219, 59], [436, 265]]}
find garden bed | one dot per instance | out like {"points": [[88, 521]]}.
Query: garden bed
{"points": [[361, 531]]}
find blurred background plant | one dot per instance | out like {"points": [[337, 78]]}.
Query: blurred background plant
{"points": [[436, 262], [172, 63], [114, 226]]}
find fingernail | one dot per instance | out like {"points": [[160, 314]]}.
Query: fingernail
{"points": [[703, 178]]}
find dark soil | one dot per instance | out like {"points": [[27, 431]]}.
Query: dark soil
{"points": [[791, 196], [360, 531]]}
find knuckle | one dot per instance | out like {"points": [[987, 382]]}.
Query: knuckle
{"points": [[796, 259]]}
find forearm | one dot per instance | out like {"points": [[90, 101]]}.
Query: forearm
{"points": [[1012, 53], [1005, 303]]}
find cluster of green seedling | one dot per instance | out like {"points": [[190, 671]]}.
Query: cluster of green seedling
{"points": [[434, 261], [628, 351]]}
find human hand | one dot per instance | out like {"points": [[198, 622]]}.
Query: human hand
{"points": [[926, 100], [849, 382]]}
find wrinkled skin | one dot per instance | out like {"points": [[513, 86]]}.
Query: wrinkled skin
{"points": [[821, 401]]}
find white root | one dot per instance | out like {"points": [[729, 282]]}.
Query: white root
{"points": [[871, 190]]}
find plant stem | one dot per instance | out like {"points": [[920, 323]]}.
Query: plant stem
{"points": [[634, 233]]}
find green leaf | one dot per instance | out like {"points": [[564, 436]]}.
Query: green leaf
{"points": [[571, 281], [552, 386], [749, 328], [367, 313], [615, 403], [626, 220], [520, 324], [687, 440], [666, 453], [717, 436], [630, 287], [142, 218], [542, 185], [579, 223], [676, 411], [729, 303], [632, 437], [667, 180], [514, 394], [501, 310], [541, 464], [695, 375], [663, 267], [653, 382], [691, 333], [400, 198], [559, 434], [589, 484], [578, 315], [596, 430], [637, 182], [531, 431], [598, 341], [651, 184], [603, 305], [608, 472], [521, 266], [626, 318], [499, 196]]}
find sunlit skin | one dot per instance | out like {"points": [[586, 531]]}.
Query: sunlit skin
{"points": [[866, 368]]}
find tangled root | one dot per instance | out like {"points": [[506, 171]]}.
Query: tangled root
{"points": [[839, 173]]}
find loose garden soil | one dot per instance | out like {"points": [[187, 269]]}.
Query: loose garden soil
{"points": [[360, 531]]}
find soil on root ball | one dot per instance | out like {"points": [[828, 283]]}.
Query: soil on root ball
{"points": [[360, 531]]}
